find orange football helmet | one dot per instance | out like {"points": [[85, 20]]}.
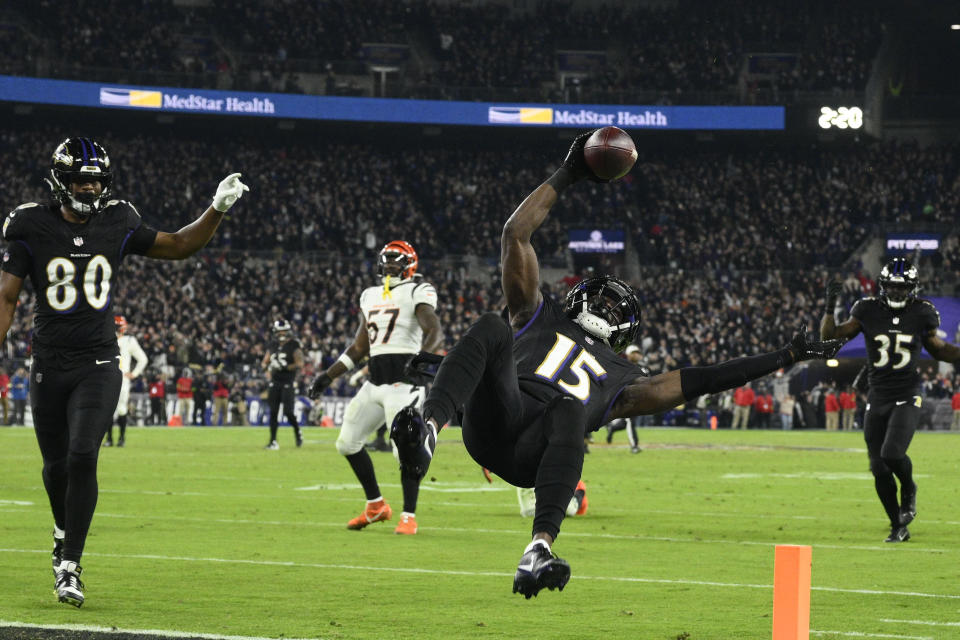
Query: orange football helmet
{"points": [[121, 324], [398, 252]]}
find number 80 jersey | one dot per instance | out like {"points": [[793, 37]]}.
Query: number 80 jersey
{"points": [[72, 267], [894, 339]]}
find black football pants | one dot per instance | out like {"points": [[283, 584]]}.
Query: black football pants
{"points": [[888, 427], [281, 393], [72, 410], [525, 441]]}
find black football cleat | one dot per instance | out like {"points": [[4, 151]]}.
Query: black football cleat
{"points": [[416, 441], [540, 569], [69, 587], [898, 534], [299, 438], [908, 505]]}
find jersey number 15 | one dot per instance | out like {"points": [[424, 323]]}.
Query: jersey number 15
{"points": [[584, 366]]}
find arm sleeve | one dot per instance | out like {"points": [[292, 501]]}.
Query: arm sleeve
{"points": [[424, 293]]}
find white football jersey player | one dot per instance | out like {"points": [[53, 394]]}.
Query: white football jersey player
{"points": [[130, 350]]}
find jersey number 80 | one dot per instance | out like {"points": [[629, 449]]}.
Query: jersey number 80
{"points": [[62, 291]]}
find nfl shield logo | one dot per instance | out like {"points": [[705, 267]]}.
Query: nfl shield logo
{"points": [[78, 241], [39, 378]]}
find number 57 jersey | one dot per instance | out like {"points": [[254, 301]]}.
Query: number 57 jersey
{"points": [[72, 268], [392, 325]]}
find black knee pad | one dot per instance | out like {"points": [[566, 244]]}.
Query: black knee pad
{"points": [[82, 461], [879, 468], [54, 468]]}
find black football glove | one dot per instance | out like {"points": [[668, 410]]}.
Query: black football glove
{"points": [[834, 289], [422, 364], [416, 441], [575, 163], [804, 349], [320, 383]]}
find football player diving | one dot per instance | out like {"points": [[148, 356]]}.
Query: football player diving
{"points": [[896, 325], [72, 249], [530, 388]]}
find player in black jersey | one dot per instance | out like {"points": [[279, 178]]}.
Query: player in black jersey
{"points": [[896, 324], [283, 362], [72, 249], [531, 387]]}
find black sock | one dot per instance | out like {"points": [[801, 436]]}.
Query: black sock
{"points": [[887, 492], [411, 490], [110, 434], [362, 467], [122, 423], [273, 431], [560, 465], [55, 482]]}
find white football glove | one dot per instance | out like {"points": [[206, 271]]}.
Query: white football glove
{"points": [[228, 192]]}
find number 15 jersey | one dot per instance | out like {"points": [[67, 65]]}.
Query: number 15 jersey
{"points": [[72, 268]]}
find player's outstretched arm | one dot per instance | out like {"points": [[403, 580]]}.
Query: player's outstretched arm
{"points": [[667, 390], [941, 350], [10, 286], [195, 236], [347, 361], [829, 329], [518, 260]]}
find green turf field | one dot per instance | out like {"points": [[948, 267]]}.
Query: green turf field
{"points": [[201, 530]]}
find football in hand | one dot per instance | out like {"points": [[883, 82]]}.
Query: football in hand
{"points": [[610, 153]]}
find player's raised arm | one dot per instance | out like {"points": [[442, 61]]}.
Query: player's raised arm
{"points": [[667, 390], [521, 271], [195, 236], [347, 361], [828, 327]]}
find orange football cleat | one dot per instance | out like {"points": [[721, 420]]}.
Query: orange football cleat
{"points": [[407, 526], [374, 512], [581, 491]]}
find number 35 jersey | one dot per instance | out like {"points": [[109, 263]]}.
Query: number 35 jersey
{"points": [[73, 269], [392, 325], [555, 356], [894, 339]]}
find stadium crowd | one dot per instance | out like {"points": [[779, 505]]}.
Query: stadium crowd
{"points": [[676, 50]]}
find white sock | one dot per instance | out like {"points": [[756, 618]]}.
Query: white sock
{"points": [[59, 533], [404, 514], [535, 543], [377, 499]]}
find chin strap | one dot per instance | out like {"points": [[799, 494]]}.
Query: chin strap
{"points": [[594, 325]]}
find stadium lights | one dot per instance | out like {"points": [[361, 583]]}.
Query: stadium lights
{"points": [[833, 362], [955, 27]]}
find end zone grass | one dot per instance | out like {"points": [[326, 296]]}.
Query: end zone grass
{"points": [[202, 531]]}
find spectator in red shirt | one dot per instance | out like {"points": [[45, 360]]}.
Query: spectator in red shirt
{"points": [[831, 406], [848, 404], [221, 394], [955, 403], [763, 405], [4, 387], [158, 400], [743, 399], [185, 396]]}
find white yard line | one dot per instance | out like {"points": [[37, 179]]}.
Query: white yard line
{"points": [[498, 574]]}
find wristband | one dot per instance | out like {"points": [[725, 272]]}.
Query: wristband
{"points": [[560, 180], [346, 361]]}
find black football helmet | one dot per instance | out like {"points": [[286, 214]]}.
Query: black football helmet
{"points": [[607, 308], [80, 160], [899, 282], [281, 326]]}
